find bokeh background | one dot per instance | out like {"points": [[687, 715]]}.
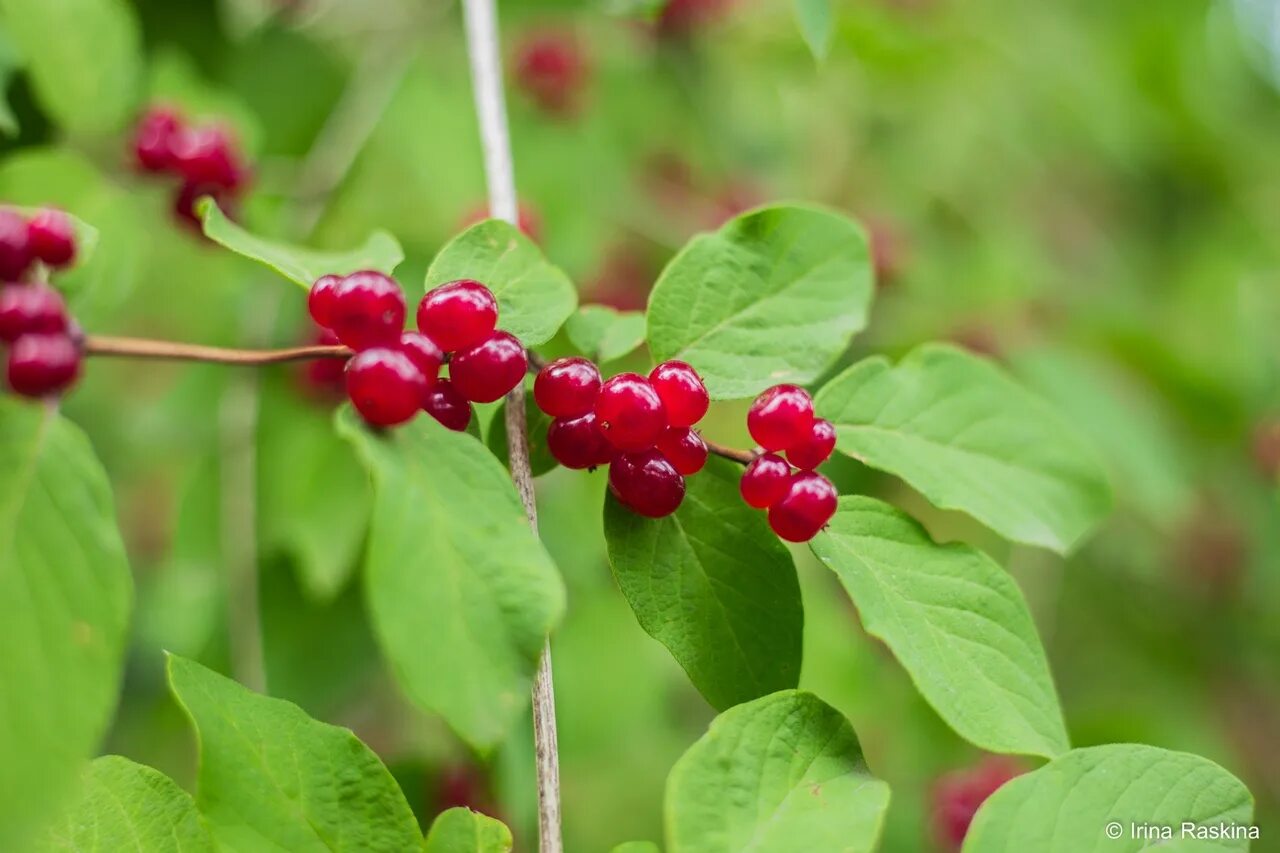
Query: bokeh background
{"points": [[1088, 192]]}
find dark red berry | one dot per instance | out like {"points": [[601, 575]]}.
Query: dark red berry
{"points": [[646, 483], [184, 204], [206, 156], [321, 299], [684, 449], [578, 442], [324, 378], [40, 365], [630, 412], [153, 140], [816, 448], [423, 352], [31, 309], [485, 372], [15, 246], [805, 509], [781, 417], [551, 69], [956, 797], [682, 393], [447, 406], [458, 315], [52, 237], [567, 387], [368, 310], [765, 481], [385, 386]]}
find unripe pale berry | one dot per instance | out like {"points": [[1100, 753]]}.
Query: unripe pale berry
{"points": [[816, 448], [646, 483], [765, 481], [385, 386], [424, 353], [578, 442], [684, 449], [780, 417], [630, 412], [52, 237], [805, 509], [31, 309], [458, 315], [15, 246], [447, 406], [567, 387], [368, 310], [682, 393], [485, 372], [40, 365], [322, 298]]}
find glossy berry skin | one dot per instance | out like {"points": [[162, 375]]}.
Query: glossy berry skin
{"points": [[630, 412], [646, 483], [52, 238], [487, 371], [206, 156], [682, 393], [684, 449], [816, 448], [956, 797], [781, 417], [447, 406], [458, 315], [322, 298], [385, 386], [765, 481], [31, 309], [368, 310], [578, 443], [15, 246], [424, 353], [567, 387], [805, 509], [154, 138], [40, 365]]}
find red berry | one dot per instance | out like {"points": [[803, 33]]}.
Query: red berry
{"points": [[567, 387], [578, 442], [153, 140], [31, 309], [765, 481], [816, 448], [40, 365], [805, 509], [458, 315], [206, 156], [385, 386], [52, 237], [184, 204], [15, 246], [447, 406], [630, 412], [956, 797], [485, 372], [321, 300], [551, 69], [781, 417], [368, 310], [646, 483], [324, 377], [682, 393], [423, 352], [684, 449]]}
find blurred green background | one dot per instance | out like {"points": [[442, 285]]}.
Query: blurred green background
{"points": [[1087, 191]]}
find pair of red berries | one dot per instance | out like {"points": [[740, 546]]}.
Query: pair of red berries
{"points": [[203, 157], [44, 351], [800, 503], [641, 427], [395, 373]]}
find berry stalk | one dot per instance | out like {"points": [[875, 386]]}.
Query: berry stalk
{"points": [[117, 347]]}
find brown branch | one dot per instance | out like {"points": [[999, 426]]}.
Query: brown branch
{"points": [[102, 345], [744, 457]]}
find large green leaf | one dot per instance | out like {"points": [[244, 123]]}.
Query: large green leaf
{"points": [[127, 806], [379, 252], [84, 58], [1070, 804], [713, 585], [464, 831], [783, 773], [65, 593], [535, 297], [461, 591], [955, 620], [968, 437], [272, 778], [604, 333], [773, 296]]}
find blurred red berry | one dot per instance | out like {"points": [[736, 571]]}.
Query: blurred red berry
{"points": [[31, 309], [154, 137], [40, 365], [551, 69], [15, 246], [206, 156], [321, 299], [956, 797], [52, 237], [324, 378]]}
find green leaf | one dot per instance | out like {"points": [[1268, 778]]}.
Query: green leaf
{"points": [[535, 297], [540, 459], [461, 591], [955, 620], [461, 830], [816, 25], [65, 592], [603, 333], [715, 586], [379, 252], [127, 806], [773, 296], [783, 773], [272, 778], [1067, 804], [84, 59], [968, 437]]}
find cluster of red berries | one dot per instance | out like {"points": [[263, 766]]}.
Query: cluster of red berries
{"points": [[203, 157], [44, 347], [641, 427], [800, 502], [396, 373]]}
